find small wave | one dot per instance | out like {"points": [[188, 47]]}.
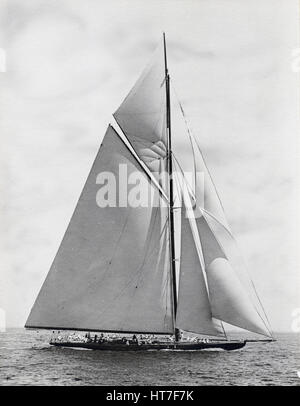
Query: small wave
{"points": [[188, 350], [78, 348]]}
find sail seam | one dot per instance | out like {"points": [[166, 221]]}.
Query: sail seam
{"points": [[140, 269], [124, 288]]}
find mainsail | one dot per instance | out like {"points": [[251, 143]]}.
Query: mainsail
{"points": [[111, 272]]}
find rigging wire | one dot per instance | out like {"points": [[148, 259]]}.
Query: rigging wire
{"points": [[191, 137]]}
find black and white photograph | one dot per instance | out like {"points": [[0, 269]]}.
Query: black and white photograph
{"points": [[149, 177]]}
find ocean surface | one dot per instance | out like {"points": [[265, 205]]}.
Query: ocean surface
{"points": [[26, 358]]}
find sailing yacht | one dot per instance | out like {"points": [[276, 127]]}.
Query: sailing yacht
{"points": [[162, 268]]}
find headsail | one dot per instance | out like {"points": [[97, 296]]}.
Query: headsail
{"points": [[212, 225], [111, 272], [194, 312], [228, 298]]}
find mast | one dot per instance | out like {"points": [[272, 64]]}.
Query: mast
{"points": [[171, 196]]}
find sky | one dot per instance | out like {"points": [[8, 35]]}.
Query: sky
{"points": [[70, 63]]}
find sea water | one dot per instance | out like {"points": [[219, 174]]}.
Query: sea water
{"points": [[26, 358]]}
